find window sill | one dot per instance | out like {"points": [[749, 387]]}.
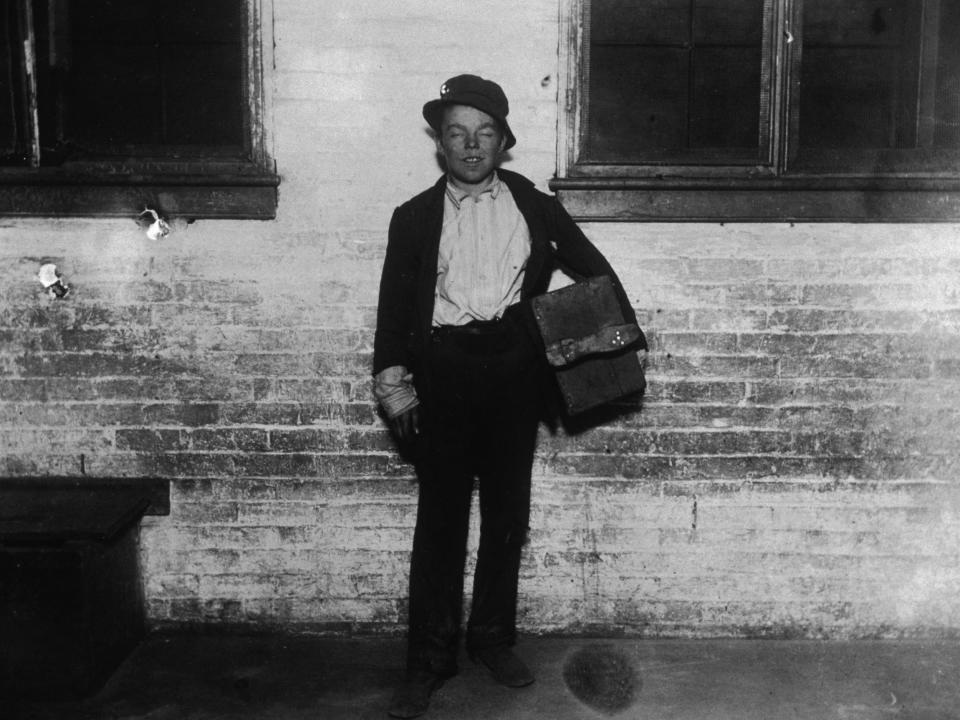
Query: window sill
{"points": [[797, 198], [43, 193]]}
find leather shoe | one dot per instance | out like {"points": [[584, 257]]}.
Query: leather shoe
{"points": [[506, 668], [412, 698]]}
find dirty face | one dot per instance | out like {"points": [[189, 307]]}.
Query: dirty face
{"points": [[470, 141]]}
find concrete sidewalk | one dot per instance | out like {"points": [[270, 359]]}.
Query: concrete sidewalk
{"points": [[277, 677]]}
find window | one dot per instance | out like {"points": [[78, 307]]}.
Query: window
{"points": [[762, 110], [112, 105]]}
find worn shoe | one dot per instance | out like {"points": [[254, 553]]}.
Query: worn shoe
{"points": [[412, 698], [506, 668]]}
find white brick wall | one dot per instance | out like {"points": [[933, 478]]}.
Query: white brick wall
{"points": [[802, 392]]}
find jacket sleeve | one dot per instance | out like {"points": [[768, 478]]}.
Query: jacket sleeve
{"points": [[580, 257], [396, 308]]}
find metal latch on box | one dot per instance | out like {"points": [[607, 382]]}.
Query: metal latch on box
{"points": [[608, 339]]}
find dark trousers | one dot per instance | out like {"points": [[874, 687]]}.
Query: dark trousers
{"points": [[480, 417]]}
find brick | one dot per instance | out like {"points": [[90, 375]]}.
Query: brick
{"points": [[693, 343], [394, 491], [90, 389], [52, 414], [683, 442], [24, 439], [243, 439], [676, 318], [837, 443], [730, 269], [216, 537], [877, 366], [187, 464], [263, 413], [347, 517], [714, 320], [17, 390], [805, 391], [375, 538], [610, 466], [274, 464], [204, 513], [357, 585], [305, 439], [76, 316], [361, 465], [199, 562], [278, 513], [81, 364], [222, 488], [759, 294], [216, 292], [238, 586], [726, 416], [742, 366], [805, 319], [656, 414], [319, 390], [370, 440], [672, 390], [108, 291], [888, 295], [149, 440], [308, 364], [187, 315], [173, 586], [947, 369]]}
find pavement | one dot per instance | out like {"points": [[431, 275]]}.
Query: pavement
{"points": [[190, 676]]}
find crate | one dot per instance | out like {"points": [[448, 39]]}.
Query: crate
{"points": [[71, 600]]}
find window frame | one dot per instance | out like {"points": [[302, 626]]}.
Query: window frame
{"points": [[769, 191], [188, 187]]}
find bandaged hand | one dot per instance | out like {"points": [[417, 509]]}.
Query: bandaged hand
{"points": [[393, 388]]}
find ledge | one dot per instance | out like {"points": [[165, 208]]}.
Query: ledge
{"points": [[153, 492], [240, 196], [807, 199]]}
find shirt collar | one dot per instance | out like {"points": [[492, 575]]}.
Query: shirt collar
{"points": [[457, 195]]}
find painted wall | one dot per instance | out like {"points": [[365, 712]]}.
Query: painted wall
{"points": [[793, 470]]}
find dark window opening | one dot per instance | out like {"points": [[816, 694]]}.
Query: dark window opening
{"points": [[878, 86], [804, 103], [671, 80], [156, 93]]}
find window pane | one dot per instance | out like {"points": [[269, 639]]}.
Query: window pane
{"points": [[859, 58], [639, 22], [852, 107], [14, 120], [152, 74], [638, 103], [946, 132], [726, 103], [880, 85], [674, 80]]}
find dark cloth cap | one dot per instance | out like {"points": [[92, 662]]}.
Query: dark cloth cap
{"points": [[476, 92]]}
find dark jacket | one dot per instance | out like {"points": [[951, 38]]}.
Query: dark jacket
{"points": [[408, 283]]}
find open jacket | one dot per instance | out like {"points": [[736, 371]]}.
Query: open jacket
{"points": [[408, 283]]}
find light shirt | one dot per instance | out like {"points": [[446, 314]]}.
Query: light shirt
{"points": [[484, 248]]}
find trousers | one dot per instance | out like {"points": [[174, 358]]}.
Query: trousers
{"points": [[479, 423]]}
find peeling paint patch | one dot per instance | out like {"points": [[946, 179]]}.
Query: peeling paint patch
{"points": [[152, 224], [52, 280]]}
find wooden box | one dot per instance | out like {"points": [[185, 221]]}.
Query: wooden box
{"points": [[71, 602]]}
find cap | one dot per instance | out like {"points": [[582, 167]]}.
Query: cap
{"points": [[476, 92]]}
